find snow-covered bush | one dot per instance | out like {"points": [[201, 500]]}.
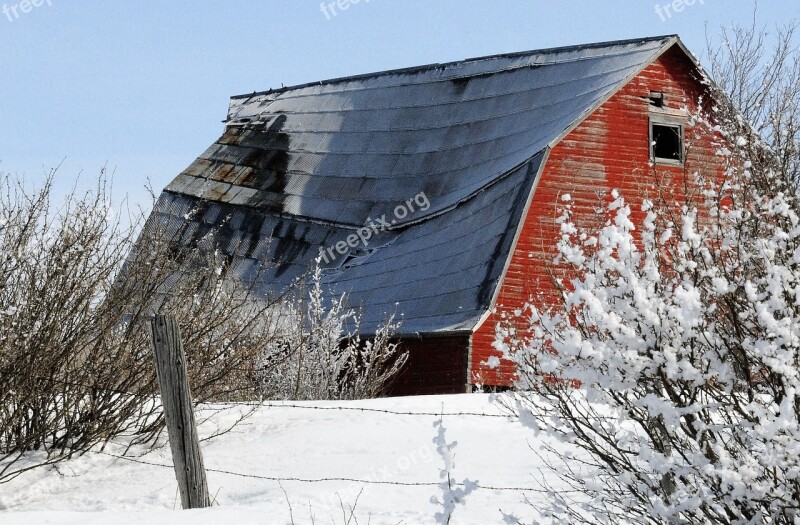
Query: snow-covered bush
{"points": [[320, 354], [672, 365]]}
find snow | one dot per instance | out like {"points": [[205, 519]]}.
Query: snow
{"points": [[300, 441]]}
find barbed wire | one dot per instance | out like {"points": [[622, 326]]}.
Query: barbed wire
{"points": [[266, 404], [372, 410], [328, 479], [209, 405], [206, 404]]}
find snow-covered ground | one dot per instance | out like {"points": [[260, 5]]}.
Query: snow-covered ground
{"points": [[306, 443]]}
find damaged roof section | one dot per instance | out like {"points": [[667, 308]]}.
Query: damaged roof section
{"points": [[301, 169]]}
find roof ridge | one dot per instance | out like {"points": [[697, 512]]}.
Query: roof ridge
{"points": [[427, 67]]}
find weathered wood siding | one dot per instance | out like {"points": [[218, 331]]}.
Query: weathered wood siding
{"points": [[609, 150]]}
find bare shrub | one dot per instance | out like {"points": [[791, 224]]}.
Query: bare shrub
{"points": [[75, 362], [78, 285]]}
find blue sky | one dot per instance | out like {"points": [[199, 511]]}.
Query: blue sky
{"points": [[142, 86]]}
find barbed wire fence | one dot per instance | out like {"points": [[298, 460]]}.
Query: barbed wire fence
{"points": [[330, 501], [322, 479], [216, 407]]}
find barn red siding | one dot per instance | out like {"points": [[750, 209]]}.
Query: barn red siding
{"points": [[436, 365], [609, 150]]}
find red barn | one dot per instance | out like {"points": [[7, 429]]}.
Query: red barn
{"points": [[432, 192]]}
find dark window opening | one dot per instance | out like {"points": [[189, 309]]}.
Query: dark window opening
{"points": [[667, 142], [657, 99]]}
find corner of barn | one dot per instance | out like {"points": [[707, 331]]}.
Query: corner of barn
{"points": [[609, 149]]}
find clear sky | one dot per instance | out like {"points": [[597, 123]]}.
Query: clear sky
{"points": [[143, 85]]}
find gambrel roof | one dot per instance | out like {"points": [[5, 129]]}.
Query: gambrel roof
{"points": [[302, 168]]}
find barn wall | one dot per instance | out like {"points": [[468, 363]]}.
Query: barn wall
{"points": [[436, 365], [609, 150]]}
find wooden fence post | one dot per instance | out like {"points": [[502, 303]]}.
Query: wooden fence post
{"points": [[179, 412]]}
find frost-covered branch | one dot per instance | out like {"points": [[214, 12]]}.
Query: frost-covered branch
{"points": [[672, 364], [320, 352]]}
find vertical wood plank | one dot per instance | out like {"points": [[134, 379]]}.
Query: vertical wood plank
{"points": [[179, 412]]}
